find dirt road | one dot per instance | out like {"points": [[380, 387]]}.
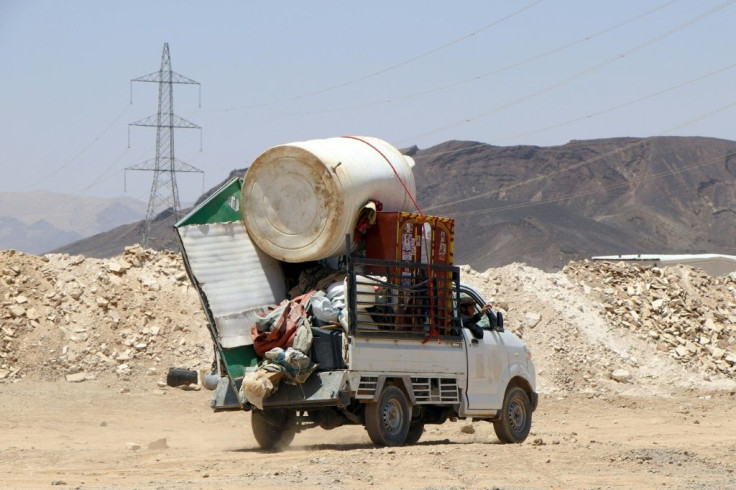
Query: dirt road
{"points": [[78, 436]]}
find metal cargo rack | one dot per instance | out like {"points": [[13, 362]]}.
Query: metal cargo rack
{"points": [[402, 299]]}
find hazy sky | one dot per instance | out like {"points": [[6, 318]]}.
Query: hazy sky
{"points": [[410, 72]]}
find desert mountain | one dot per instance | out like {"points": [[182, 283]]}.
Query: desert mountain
{"points": [[39, 221], [547, 206]]}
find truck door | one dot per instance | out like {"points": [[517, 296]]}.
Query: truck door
{"points": [[487, 359]]}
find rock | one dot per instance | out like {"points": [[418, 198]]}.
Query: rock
{"points": [[621, 376], [190, 387], [17, 311], [468, 429], [132, 446], [75, 291], [125, 356], [681, 351], [76, 377], [532, 319], [114, 267], [123, 370], [158, 444], [21, 300]]}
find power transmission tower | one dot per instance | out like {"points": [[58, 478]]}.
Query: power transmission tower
{"points": [[164, 192]]}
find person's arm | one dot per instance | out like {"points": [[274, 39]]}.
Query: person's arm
{"points": [[475, 329]]}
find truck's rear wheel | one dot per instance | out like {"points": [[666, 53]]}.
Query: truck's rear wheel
{"points": [[274, 430], [387, 421], [515, 419], [415, 432]]}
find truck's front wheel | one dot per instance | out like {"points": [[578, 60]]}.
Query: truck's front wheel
{"points": [[274, 430], [515, 419], [387, 421]]}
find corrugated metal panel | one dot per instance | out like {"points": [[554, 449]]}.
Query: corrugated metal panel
{"points": [[238, 279]]}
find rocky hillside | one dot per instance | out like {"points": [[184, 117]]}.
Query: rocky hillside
{"points": [[546, 206], [77, 317], [593, 326]]}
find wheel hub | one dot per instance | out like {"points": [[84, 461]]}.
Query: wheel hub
{"points": [[516, 415], [392, 416]]}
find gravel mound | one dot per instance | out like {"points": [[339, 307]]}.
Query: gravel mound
{"points": [[79, 318], [592, 327]]}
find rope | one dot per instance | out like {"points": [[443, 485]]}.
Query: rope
{"points": [[432, 330]]}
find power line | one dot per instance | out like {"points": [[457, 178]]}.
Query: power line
{"points": [[503, 69], [587, 116], [89, 145], [422, 55], [391, 67], [655, 176], [622, 105], [580, 74], [597, 158]]}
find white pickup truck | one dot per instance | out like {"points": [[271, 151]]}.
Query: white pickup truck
{"points": [[404, 360]]}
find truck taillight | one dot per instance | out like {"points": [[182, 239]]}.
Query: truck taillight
{"points": [[528, 353]]}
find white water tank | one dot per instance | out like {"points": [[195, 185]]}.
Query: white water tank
{"points": [[301, 199]]}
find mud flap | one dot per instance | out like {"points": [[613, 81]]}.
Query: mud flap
{"points": [[225, 396]]}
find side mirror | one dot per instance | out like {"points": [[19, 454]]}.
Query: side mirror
{"points": [[496, 320]]}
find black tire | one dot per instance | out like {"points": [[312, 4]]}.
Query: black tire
{"points": [[273, 432], [515, 419], [387, 421], [415, 433]]}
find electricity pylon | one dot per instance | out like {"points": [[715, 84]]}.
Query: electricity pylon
{"points": [[164, 192]]}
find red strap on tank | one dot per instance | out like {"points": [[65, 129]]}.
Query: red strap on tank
{"points": [[432, 330]]}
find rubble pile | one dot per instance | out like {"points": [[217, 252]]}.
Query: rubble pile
{"points": [[686, 313], [595, 326], [73, 317]]}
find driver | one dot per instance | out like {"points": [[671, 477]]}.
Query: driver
{"points": [[470, 317]]}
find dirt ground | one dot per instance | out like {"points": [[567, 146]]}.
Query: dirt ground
{"points": [[636, 370], [79, 436]]}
